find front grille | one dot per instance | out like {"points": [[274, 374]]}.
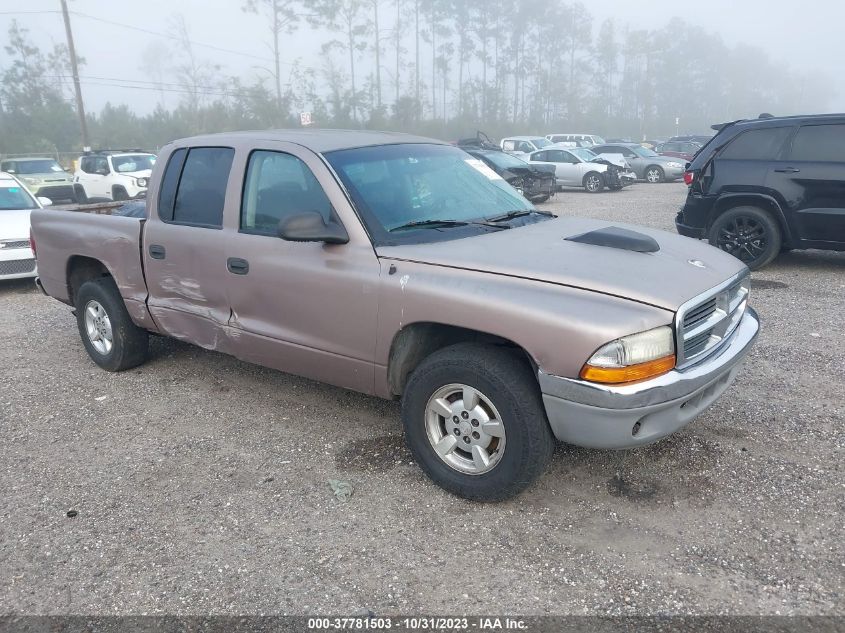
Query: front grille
{"points": [[705, 321], [17, 266], [22, 243]]}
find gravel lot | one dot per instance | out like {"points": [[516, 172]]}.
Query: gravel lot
{"points": [[201, 482]]}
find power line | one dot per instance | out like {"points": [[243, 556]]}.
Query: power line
{"points": [[177, 38]]}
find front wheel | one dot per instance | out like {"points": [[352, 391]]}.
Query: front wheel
{"points": [[118, 194], [110, 337], [475, 422], [749, 234], [654, 174], [593, 182]]}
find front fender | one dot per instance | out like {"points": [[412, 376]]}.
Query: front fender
{"points": [[558, 326]]}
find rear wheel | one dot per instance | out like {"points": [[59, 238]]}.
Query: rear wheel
{"points": [[593, 182], [475, 422], [748, 233], [110, 337], [654, 174]]}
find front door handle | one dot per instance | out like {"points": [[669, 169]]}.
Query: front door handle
{"points": [[237, 266], [788, 170], [157, 251]]}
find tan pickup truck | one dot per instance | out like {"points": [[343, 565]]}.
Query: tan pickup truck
{"points": [[401, 267]]}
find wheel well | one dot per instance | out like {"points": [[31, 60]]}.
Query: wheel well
{"points": [[81, 269], [416, 342], [658, 167], [767, 205]]}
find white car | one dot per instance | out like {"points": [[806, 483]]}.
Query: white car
{"points": [[579, 167], [523, 145], [109, 175], [17, 261], [582, 140]]}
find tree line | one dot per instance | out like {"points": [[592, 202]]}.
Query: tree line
{"points": [[444, 68]]}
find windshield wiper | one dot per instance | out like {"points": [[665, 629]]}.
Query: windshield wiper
{"points": [[435, 224], [518, 214]]}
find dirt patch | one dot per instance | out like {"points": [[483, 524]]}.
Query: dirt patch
{"points": [[767, 284], [373, 454]]}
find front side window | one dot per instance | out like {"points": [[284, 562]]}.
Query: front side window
{"points": [[396, 186], [819, 143], [540, 143], [202, 174], [584, 154], [760, 144], [277, 186]]}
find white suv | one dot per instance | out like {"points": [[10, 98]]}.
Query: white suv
{"points": [[113, 175]]}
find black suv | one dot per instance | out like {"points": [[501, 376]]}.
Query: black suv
{"points": [[764, 186]]}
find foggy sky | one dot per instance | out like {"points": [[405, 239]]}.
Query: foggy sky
{"points": [[805, 35]]}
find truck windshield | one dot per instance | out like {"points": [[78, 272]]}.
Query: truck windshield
{"points": [[398, 185], [15, 198], [35, 166]]}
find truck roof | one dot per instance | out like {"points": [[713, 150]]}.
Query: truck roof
{"points": [[318, 141]]}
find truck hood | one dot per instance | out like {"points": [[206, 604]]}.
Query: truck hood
{"points": [[681, 269], [14, 224], [144, 173]]}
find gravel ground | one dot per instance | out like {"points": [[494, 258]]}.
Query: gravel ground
{"points": [[201, 482]]}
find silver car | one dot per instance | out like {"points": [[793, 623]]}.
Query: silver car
{"points": [[648, 165]]}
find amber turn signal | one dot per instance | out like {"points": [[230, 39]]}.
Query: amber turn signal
{"points": [[631, 373]]}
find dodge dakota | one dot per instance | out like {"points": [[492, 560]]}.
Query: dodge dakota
{"points": [[401, 267]]}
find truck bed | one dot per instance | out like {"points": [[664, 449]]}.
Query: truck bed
{"points": [[65, 239]]}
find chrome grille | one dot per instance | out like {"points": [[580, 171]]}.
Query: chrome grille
{"points": [[705, 321], [22, 243], [17, 266]]}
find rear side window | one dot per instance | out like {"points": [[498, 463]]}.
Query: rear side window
{"points": [[277, 186], [169, 182], [201, 189], [540, 156], [820, 143], [762, 144], [508, 146]]}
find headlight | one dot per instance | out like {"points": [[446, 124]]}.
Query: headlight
{"points": [[142, 182], [632, 358]]}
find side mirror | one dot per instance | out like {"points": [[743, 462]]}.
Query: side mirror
{"points": [[310, 227], [45, 202], [104, 171]]}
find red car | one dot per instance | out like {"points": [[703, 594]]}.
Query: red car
{"points": [[678, 149]]}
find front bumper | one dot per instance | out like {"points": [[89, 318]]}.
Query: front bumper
{"points": [[57, 192], [17, 264], [624, 416]]}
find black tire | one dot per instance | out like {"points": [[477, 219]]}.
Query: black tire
{"points": [[654, 174], [79, 194], [118, 194], [504, 378], [749, 233], [129, 342], [593, 182]]}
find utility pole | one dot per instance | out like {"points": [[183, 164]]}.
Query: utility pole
{"points": [[80, 109]]}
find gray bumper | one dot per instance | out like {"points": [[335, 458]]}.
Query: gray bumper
{"points": [[606, 416]]}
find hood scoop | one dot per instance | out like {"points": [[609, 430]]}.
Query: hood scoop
{"points": [[617, 237]]}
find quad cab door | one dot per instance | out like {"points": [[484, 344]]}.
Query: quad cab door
{"points": [[184, 245], [308, 308]]}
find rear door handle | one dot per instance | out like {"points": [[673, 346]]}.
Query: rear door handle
{"points": [[156, 251], [788, 170], [237, 266]]}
